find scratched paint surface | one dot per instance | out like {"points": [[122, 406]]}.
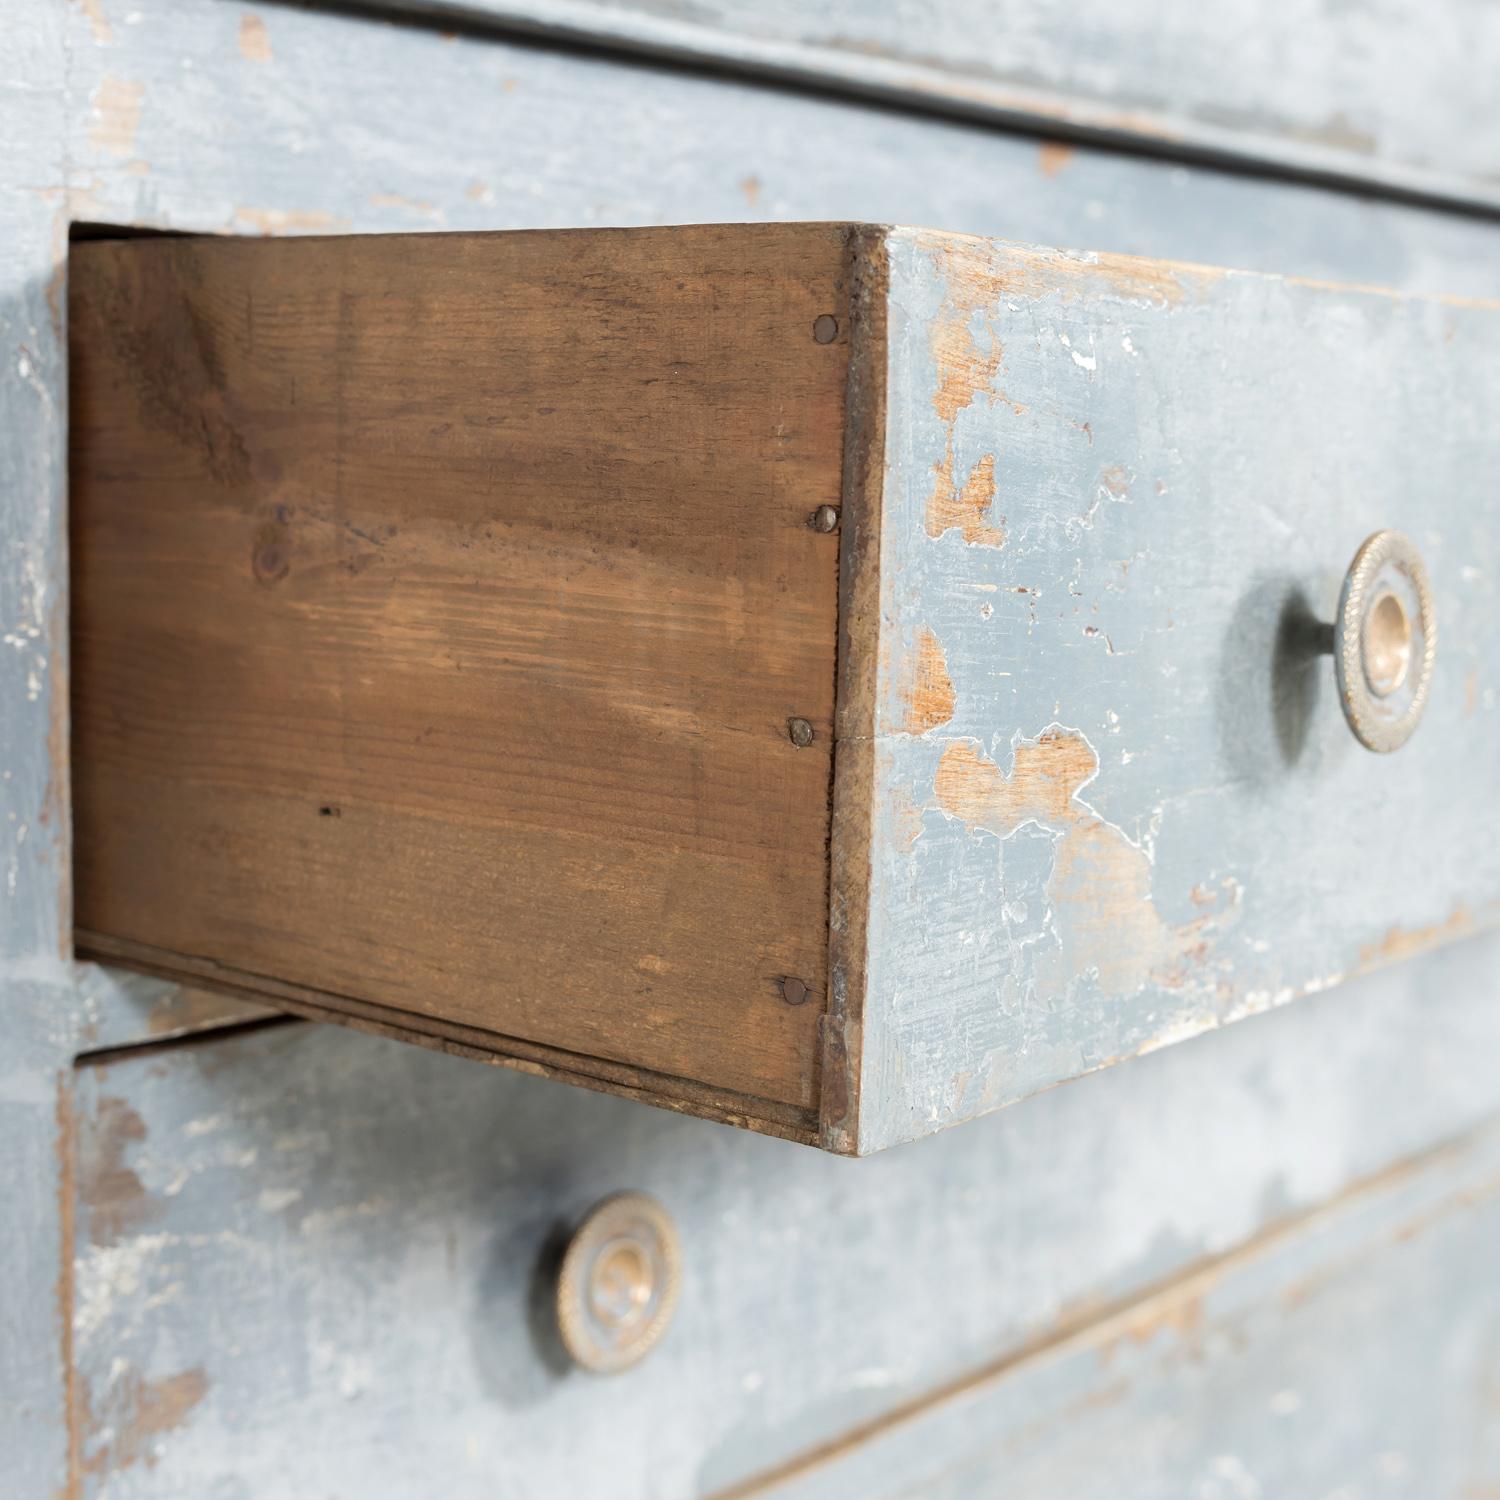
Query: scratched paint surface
{"points": [[1394, 94], [36, 992], [311, 1263], [1119, 801], [1335, 1362], [495, 134], [278, 119]]}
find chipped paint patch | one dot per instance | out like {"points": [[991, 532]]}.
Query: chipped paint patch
{"points": [[1046, 774], [1406, 942], [977, 274], [1103, 916], [136, 1413], [1106, 922], [285, 221], [1054, 157], [255, 40], [115, 112], [965, 510], [967, 356], [929, 690], [112, 1194], [99, 28], [964, 369], [419, 208]]}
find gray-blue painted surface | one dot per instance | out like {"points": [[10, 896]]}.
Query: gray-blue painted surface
{"points": [[1396, 96], [202, 114], [207, 116], [1355, 1354], [325, 1248], [1116, 799], [35, 993]]}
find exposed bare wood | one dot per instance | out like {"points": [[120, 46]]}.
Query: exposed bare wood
{"points": [[440, 608]]}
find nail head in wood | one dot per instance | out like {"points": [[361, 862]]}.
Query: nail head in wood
{"points": [[800, 732], [825, 328], [794, 991], [825, 518]]}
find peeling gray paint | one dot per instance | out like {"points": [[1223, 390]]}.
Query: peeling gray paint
{"points": [[35, 994], [344, 1236], [1082, 1193], [1398, 97], [1334, 1361], [1141, 814]]}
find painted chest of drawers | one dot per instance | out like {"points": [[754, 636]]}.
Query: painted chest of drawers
{"points": [[958, 615]]}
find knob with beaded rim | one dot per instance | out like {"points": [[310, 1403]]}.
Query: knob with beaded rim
{"points": [[1384, 640], [618, 1283]]}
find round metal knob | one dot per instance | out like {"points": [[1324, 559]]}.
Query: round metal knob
{"points": [[1383, 641], [618, 1284]]}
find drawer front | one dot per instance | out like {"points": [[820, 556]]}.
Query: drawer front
{"points": [[1115, 801], [1395, 98], [1305, 1368], [308, 1262]]}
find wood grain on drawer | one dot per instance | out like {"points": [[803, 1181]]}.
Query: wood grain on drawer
{"points": [[440, 605], [449, 631]]}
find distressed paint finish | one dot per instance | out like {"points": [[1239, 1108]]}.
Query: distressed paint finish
{"points": [[1332, 1358], [1118, 497], [339, 1242], [553, 138], [1395, 96], [116, 1008], [272, 119], [495, 135], [36, 1026]]}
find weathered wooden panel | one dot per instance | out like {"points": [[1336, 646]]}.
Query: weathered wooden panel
{"points": [[37, 998], [440, 606], [283, 125], [270, 131], [281, 88], [1115, 801], [378, 709], [323, 1256], [1397, 96], [197, 114], [1356, 1353]]}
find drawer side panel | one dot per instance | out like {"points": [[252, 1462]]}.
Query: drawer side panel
{"points": [[440, 604]]}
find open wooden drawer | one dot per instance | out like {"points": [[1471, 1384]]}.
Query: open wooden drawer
{"points": [[830, 678]]}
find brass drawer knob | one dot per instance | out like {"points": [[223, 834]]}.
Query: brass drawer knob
{"points": [[618, 1283], [1383, 641]]}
